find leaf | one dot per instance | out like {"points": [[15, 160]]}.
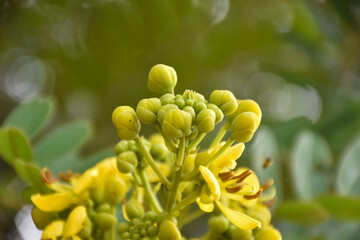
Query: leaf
{"points": [[342, 207], [61, 141], [310, 165], [32, 116], [13, 144], [348, 175], [307, 213], [266, 147]]}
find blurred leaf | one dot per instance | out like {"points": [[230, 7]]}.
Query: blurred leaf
{"points": [[309, 166], [266, 147], [94, 158], [342, 207], [27, 192], [348, 175], [8, 200], [306, 213], [13, 144], [21, 171], [31, 116], [61, 141]]}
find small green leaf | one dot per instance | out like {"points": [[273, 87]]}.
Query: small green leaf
{"points": [[342, 207], [21, 171], [348, 175], [306, 213], [32, 116], [13, 144], [62, 140]]}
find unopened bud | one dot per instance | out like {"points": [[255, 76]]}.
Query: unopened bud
{"points": [[158, 151], [122, 146], [147, 110], [191, 111], [133, 209], [261, 213], [162, 79], [238, 233], [179, 101], [268, 233], [225, 100], [199, 106], [243, 127], [104, 221], [114, 190], [168, 230], [126, 162], [167, 98], [126, 122], [219, 114], [177, 123], [163, 110], [247, 105], [219, 224], [206, 120], [122, 227]]}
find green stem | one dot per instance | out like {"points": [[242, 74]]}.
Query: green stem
{"points": [[169, 144], [151, 162], [214, 157], [112, 230], [199, 137], [181, 153], [136, 178], [219, 136], [190, 199], [147, 188], [190, 217]]}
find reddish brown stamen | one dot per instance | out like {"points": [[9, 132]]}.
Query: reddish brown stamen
{"points": [[47, 177], [234, 188], [271, 202], [267, 163], [67, 175], [242, 176], [267, 184], [256, 195], [226, 176]]}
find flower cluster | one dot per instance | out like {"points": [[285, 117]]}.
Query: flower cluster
{"points": [[158, 180]]}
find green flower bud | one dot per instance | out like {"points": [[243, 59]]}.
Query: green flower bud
{"points": [[243, 127], [97, 194], [219, 224], [125, 235], [261, 213], [149, 215], [225, 100], [179, 101], [191, 111], [163, 110], [206, 120], [103, 208], [177, 123], [104, 221], [114, 190], [199, 106], [133, 209], [85, 232], [122, 227], [143, 233], [167, 98], [152, 231], [219, 114], [268, 233], [136, 236], [189, 102], [162, 79], [238, 233], [158, 151], [247, 105], [168, 230], [126, 122], [147, 110], [132, 146], [126, 162], [122, 146], [42, 219]]}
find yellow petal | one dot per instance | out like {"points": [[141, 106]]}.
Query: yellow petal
{"points": [[152, 176], [227, 161], [76, 238], [206, 207], [268, 233], [53, 230], [55, 202], [240, 220], [75, 221], [86, 180], [211, 180]]}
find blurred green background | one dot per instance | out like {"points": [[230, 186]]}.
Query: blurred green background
{"points": [[299, 60]]}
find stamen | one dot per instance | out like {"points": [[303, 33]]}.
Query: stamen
{"points": [[47, 177], [267, 184], [267, 163], [67, 176], [256, 195], [235, 187], [271, 202], [226, 176], [242, 176]]}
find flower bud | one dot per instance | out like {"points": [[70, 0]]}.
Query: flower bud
{"points": [[168, 230], [219, 224], [42, 219], [179, 101], [219, 114], [191, 111], [122, 227], [163, 110], [268, 233], [104, 221], [126, 162], [162, 79], [177, 123], [167, 98], [133, 209], [122, 146], [206, 120], [115, 190], [238, 233], [104, 208], [158, 151], [247, 105], [261, 213], [85, 232], [243, 127], [126, 122], [225, 100], [199, 106], [152, 231], [147, 110]]}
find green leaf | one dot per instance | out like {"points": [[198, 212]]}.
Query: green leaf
{"points": [[342, 207], [348, 175], [266, 147], [307, 213], [61, 141], [13, 144], [32, 116], [310, 165]]}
